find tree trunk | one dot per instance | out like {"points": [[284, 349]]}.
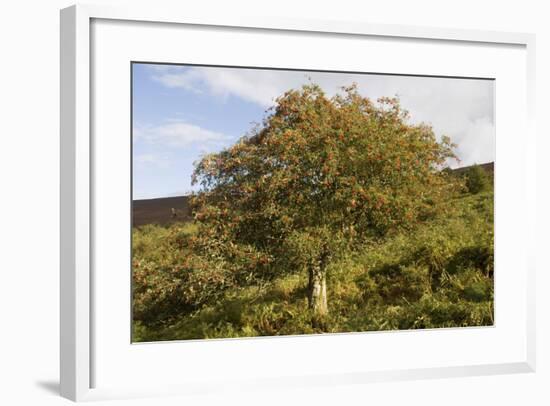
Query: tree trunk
{"points": [[318, 286], [318, 291]]}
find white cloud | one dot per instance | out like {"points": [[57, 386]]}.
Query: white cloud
{"points": [[477, 142], [152, 159], [187, 79], [256, 86], [180, 134], [462, 109]]}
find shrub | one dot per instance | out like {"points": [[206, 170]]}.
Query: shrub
{"points": [[477, 179]]}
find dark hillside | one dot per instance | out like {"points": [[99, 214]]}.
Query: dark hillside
{"points": [[162, 211], [488, 167]]}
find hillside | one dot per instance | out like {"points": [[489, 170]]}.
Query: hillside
{"points": [[159, 211], [488, 167], [441, 275]]}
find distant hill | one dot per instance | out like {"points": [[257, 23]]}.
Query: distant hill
{"points": [[168, 210], [159, 211], [489, 167]]}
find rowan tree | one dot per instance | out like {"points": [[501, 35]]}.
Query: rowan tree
{"points": [[318, 173]]}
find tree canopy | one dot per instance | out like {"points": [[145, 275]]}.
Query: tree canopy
{"points": [[317, 173]]}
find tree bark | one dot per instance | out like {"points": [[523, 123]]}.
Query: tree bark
{"points": [[318, 292], [318, 286]]}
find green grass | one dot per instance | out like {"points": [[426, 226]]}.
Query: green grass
{"points": [[440, 275]]}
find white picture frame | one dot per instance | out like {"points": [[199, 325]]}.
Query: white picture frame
{"points": [[77, 282]]}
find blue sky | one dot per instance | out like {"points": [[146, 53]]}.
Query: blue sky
{"points": [[182, 112]]}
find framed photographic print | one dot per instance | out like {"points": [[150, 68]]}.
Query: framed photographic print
{"points": [[267, 203]]}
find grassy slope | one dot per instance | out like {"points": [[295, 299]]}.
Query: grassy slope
{"points": [[439, 276]]}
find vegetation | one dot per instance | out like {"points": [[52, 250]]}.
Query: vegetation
{"points": [[477, 179], [333, 216]]}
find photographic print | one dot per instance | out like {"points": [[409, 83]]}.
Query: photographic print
{"points": [[272, 202]]}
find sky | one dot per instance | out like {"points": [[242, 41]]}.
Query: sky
{"points": [[182, 112]]}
